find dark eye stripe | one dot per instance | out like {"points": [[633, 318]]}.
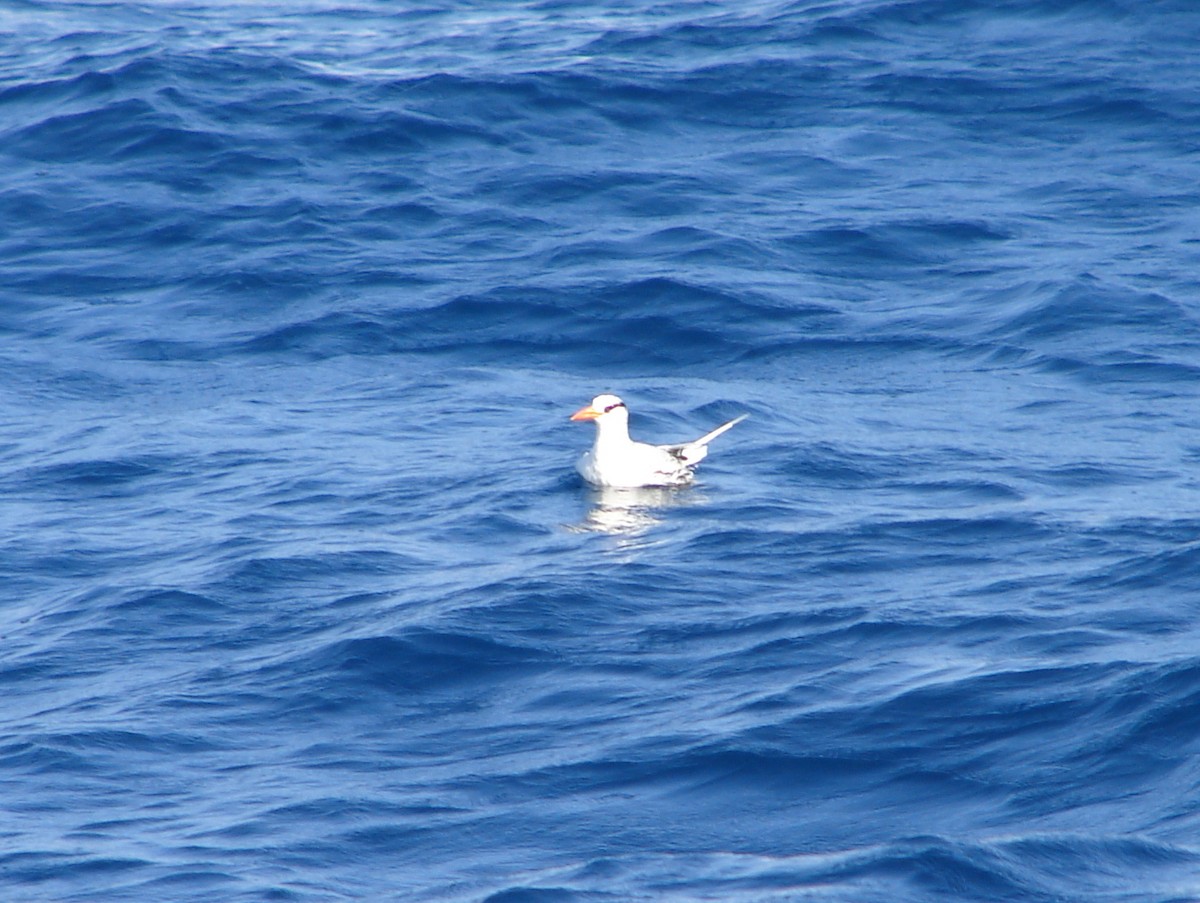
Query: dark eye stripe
{"points": [[619, 404]]}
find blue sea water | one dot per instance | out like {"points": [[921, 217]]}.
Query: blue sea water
{"points": [[303, 599]]}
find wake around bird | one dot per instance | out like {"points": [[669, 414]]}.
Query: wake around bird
{"points": [[618, 462]]}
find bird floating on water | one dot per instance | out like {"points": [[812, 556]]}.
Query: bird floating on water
{"points": [[616, 461]]}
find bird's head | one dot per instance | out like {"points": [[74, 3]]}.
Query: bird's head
{"points": [[602, 406]]}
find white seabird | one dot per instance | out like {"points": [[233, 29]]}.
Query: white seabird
{"points": [[617, 461]]}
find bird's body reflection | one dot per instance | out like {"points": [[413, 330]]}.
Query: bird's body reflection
{"points": [[631, 510]]}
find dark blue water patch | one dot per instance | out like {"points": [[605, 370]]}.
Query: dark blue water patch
{"points": [[110, 132], [35, 207], [173, 85], [950, 94], [854, 637], [81, 562], [1050, 704], [557, 614], [400, 219], [25, 672], [1142, 371], [853, 348], [684, 245], [757, 631], [101, 477], [887, 546], [1083, 753], [34, 757], [166, 613], [252, 576], [1154, 713], [927, 18], [193, 880], [1098, 865], [966, 490], [379, 132], [547, 895], [463, 322], [614, 192], [847, 247], [821, 463], [1135, 372], [1073, 643], [1177, 567], [793, 167], [671, 297], [702, 782], [1087, 305], [1105, 110], [650, 320], [947, 235], [50, 382], [719, 96], [1035, 867], [100, 742], [540, 100], [418, 668], [936, 868], [1148, 738], [1085, 474], [327, 336], [37, 868], [349, 810], [164, 350], [84, 86]]}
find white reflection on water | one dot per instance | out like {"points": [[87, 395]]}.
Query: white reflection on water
{"points": [[629, 511]]}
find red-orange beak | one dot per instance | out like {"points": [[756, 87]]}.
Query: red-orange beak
{"points": [[587, 413]]}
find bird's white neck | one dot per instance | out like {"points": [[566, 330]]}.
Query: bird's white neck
{"points": [[612, 430]]}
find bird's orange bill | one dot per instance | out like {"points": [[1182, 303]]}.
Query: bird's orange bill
{"points": [[586, 413]]}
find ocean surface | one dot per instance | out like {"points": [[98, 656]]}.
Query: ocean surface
{"points": [[303, 599]]}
